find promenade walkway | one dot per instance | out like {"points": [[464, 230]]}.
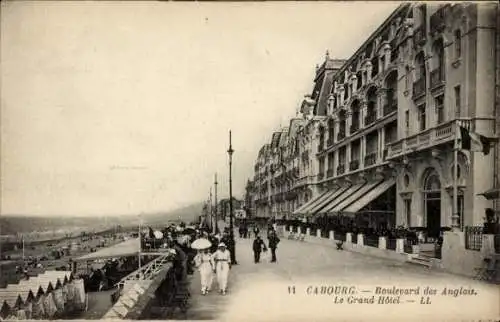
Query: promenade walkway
{"points": [[282, 291]]}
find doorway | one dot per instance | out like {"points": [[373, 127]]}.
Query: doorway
{"points": [[433, 217], [432, 200]]}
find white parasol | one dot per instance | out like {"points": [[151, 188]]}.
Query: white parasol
{"points": [[158, 234], [201, 243]]}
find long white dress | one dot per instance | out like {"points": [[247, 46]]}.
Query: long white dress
{"points": [[204, 264], [222, 260]]}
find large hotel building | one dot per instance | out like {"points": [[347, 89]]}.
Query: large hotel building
{"points": [[381, 136]]}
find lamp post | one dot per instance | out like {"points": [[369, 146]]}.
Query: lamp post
{"points": [[232, 249], [215, 210]]}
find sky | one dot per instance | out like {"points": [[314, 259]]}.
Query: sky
{"points": [[125, 107]]}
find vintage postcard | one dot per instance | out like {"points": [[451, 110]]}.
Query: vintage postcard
{"points": [[250, 161]]}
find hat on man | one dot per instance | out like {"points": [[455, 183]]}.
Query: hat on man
{"points": [[222, 245]]}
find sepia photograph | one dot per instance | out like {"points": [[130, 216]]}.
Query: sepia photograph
{"points": [[250, 161]]}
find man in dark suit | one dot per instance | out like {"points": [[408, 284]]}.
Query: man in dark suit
{"points": [[258, 247], [273, 244]]}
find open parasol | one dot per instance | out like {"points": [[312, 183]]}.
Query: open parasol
{"points": [[201, 243]]}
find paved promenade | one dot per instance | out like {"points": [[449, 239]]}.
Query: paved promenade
{"points": [[285, 291]]}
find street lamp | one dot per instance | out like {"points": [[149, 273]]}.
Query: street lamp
{"points": [[232, 249], [215, 210]]}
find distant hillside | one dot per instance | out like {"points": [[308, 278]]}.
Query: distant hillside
{"points": [[11, 225], [187, 214]]}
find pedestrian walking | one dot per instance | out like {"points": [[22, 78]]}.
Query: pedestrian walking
{"points": [[203, 262], [258, 247], [256, 230], [221, 260], [273, 244]]}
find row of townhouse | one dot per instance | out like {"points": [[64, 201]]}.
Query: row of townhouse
{"points": [[380, 140]]}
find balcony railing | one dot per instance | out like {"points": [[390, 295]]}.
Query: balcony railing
{"points": [[300, 182], [419, 88], [437, 78], [329, 173], [320, 176], [329, 142], [473, 237], [340, 169], [354, 165], [370, 159], [290, 195], [370, 118], [438, 135], [390, 107], [340, 135], [354, 127]]}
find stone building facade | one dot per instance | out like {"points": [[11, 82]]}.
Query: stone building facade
{"points": [[380, 134]]}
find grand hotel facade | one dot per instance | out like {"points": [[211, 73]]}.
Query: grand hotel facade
{"points": [[378, 136]]}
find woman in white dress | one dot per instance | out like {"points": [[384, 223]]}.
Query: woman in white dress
{"points": [[222, 262], [203, 262]]}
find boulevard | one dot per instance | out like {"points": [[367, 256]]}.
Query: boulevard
{"points": [[291, 289]]}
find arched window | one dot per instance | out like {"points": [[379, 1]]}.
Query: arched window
{"points": [[355, 116], [371, 112], [432, 182], [359, 81], [419, 66], [458, 43], [321, 138], [342, 125], [438, 59], [331, 130], [392, 93]]}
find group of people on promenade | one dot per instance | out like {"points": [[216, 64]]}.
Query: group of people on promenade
{"points": [[216, 259]]}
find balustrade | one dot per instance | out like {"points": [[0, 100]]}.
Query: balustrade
{"points": [[329, 141], [390, 107], [340, 169], [353, 165], [370, 159], [354, 127], [437, 78], [370, 118], [427, 138], [419, 88]]}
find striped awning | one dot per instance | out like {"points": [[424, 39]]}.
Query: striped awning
{"points": [[340, 198], [370, 196], [303, 209], [355, 195], [333, 194]]}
